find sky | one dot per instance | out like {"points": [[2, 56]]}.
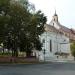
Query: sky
{"points": [[64, 8]]}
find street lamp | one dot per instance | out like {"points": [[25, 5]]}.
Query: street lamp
{"points": [[44, 55]]}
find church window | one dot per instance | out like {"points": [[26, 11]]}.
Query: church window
{"points": [[53, 24], [50, 45]]}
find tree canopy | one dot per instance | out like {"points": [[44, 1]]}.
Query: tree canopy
{"points": [[19, 27]]}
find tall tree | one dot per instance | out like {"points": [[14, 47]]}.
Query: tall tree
{"points": [[34, 28], [20, 28], [4, 19], [73, 49]]}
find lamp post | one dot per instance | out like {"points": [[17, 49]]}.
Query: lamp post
{"points": [[44, 55], [45, 46]]}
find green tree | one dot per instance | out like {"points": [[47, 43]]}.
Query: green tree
{"points": [[3, 17], [14, 19], [19, 20], [34, 29], [73, 49], [20, 28]]}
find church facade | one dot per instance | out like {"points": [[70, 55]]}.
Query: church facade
{"points": [[56, 41]]}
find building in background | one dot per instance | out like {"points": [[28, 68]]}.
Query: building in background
{"points": [[70, 33], [56, 41]]}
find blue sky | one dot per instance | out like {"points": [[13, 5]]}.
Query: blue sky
{"points": [[64, 8]]}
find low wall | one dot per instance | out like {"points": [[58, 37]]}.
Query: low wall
{"points": [[17, 60]]}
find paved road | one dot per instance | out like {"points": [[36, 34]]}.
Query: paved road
{"points": [[38, 69]]}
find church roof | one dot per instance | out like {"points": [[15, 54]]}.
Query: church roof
{"points": [[51, 28], [64, 28], [66, 31], [72, 30]]}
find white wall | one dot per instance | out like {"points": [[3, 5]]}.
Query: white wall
{"points": [[59, 43]]}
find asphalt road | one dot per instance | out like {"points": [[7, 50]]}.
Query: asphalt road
{"points": [[38, 69]]}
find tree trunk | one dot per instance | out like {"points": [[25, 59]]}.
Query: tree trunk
{"points": [[15, 53], [12, 52], [28, 54]]}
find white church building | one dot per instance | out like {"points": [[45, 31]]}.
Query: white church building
{"points": [[55, 44]]}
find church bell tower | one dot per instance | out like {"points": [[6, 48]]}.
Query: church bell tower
{"points": [[54, 22], [55, 17]]}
